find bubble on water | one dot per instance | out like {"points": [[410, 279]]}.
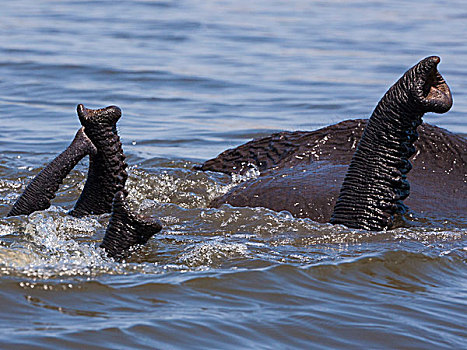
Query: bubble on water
{"points": [[212, 253], [45, 250], [251, 174], [6, 230], [186, 188], [52, 244]]}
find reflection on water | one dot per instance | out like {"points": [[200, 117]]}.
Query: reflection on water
{"points": [[194, 78], [209, 263]]}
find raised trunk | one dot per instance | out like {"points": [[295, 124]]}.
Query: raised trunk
{"points": [[375, 185], [41, 190], [107, 168]]}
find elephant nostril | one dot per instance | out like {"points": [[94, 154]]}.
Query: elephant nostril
{"points": [[436, 94], [430, 83]]}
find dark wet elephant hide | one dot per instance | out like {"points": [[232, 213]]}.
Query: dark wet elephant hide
{"points": [[306, 171]]}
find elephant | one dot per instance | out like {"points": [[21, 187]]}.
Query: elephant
{"points": [[359, 172], [104, 190], [306, 173]]}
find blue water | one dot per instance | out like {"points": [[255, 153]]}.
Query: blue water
{"points": [[194, 78]]}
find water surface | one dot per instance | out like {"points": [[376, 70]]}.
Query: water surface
{"points": [[194, 78]]}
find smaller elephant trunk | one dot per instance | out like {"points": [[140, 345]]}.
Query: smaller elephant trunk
{"points": [[375, 184], [41, 190], [126, 230], [107, 168]]}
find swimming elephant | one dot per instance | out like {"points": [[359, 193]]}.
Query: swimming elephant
{"points": [[302, 172], [107, 175], [308, 173], [104, 190]]}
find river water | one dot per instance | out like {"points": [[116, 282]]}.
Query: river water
{"points": [[194, 78]]}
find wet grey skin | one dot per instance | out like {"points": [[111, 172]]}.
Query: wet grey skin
{"points": [[308, 173], [41, 190], [371, 193], [376, 185], [107, 174], [104, 190], [126, 230], [107, 168]]}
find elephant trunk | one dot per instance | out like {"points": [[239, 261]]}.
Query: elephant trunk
{"points": [[107, 168], [41, 190], [375, 184], [126, 230]]}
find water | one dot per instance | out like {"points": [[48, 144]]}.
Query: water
{"points": [[194, 78]]}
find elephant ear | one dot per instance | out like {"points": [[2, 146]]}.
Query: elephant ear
{"points": [[262, 154], [375, 184], [286, 149]]}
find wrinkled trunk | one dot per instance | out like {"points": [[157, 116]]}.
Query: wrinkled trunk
{"points": [[126, 230], [41, 190], [375, 185], [107, 168]]}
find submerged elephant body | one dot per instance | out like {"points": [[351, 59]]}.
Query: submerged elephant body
{"points": [[302, 172], [354, 173]]}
